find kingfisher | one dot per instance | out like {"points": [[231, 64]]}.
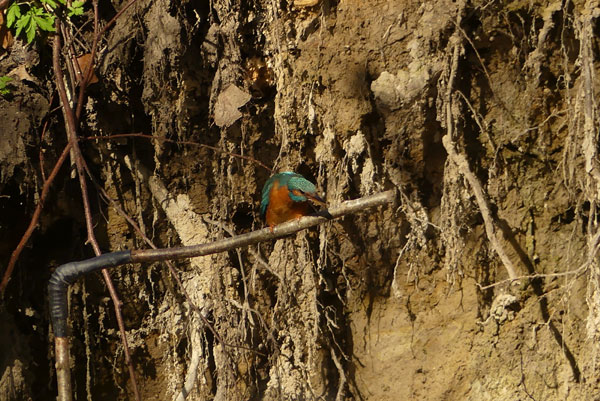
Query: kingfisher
{"points": [[286, 196]]}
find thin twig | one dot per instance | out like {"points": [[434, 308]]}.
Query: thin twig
{"points": [[114, 19], [34, 219], [87, 74], [72, 65], [163, 139], [577, 271], [71, 126], [41, 151], [523, 380]]}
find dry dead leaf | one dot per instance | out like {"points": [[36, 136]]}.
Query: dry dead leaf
{"points": [[228, 102], [6, 37], [84, 62], [20, 74]]}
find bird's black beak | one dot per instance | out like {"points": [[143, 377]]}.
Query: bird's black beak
{"points": [[316, 200], [324, 213]]}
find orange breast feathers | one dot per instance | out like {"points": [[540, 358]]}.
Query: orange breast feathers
{"points": [[281, 208]]}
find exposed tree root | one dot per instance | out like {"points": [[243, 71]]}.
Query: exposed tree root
{"points": [[462, 163]]}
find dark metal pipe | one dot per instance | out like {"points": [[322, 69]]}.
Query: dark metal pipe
{"points": [[67, 274]]}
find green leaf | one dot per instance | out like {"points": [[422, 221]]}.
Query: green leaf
{"points": [[45, 23], [31, 31], [14, 13], [51, 3], [36, 18], [4, 89], [22, 23], [75, 11], [76, 8], [4, 81]]}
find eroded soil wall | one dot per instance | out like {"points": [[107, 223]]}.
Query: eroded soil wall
{"points": [[481, 115]]}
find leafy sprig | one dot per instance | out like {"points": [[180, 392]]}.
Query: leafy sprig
{"points": [[4, 89], [31, 17]]}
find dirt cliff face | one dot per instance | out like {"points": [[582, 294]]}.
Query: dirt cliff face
{"points": [[481, 283]]}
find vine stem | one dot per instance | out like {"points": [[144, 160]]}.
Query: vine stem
{"points": [[71, 127]]}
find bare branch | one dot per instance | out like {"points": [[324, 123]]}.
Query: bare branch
{"points": [[34, 220], [254, 237]]}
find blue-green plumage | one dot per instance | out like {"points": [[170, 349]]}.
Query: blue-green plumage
{"points": [[297, 185]]}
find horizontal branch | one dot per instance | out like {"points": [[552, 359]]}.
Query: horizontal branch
{"points": [[254, 237], [67, 274]]}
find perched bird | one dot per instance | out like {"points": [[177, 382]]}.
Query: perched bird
{"points": [[286, 196]]}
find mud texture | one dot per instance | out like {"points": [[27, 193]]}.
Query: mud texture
{"points": [[481, 283]]}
